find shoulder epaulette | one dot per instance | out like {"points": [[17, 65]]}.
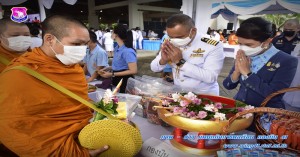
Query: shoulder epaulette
{"points": [[209, 41]]}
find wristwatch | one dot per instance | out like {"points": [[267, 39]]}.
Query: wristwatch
{"points": [[247, 75], [181, 62]]}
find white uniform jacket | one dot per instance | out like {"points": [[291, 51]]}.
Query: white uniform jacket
{"points": [[204, 60]]}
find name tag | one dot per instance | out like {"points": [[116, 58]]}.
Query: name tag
{"points": [[157, 148], [196, 55]]}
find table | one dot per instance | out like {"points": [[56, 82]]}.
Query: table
{"points": [[152, 45], [151, 133], [230, 50]]}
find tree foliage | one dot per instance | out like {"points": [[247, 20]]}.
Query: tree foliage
{"points": [[279, 19]]}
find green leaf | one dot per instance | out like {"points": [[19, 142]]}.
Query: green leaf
{"points": [[109, 106], [110, 111], [99, 116]]}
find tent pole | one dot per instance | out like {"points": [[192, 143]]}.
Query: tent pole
{"points": [[42, 10]]}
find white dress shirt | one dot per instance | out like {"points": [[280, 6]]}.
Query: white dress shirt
{"points": [[199, 73]]}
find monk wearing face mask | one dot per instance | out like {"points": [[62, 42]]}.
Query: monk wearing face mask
{"points": [[14, 40], [36, 119]]}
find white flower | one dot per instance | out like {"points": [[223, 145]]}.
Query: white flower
{"points": [[176, 97], [107, 96], [248, 107], [247, 115], [190, 96], [209, 107], [220, 116]]}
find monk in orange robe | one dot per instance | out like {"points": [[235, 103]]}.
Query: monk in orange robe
{"points": [[14, 40], [36, 119], [232, 38]]}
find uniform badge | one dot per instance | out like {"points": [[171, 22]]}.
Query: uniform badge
{"points": [[199, 51], [273, 66], [209, 41], [279, 42], [19, 14]]}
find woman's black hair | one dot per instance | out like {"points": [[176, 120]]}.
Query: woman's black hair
{"points": [[125, 35], [256, 28]]}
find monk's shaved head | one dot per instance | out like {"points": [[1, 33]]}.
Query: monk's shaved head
{"points": [[58, 25], [5, 23]]}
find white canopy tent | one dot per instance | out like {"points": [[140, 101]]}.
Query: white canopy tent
{"points": [[205, 8], [42, 3]]}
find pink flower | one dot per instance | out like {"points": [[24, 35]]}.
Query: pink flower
{"points": [[202, 114], [218, 105], [191, 114], [184, 103], [184, 109], [177, 110], [115, 100], [165, 102], [240, 109], [196, 101]]}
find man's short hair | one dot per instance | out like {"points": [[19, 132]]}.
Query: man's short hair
{"points": [[93, 36], [180, 19], [290, 22], [58, 25], [5, 22]]}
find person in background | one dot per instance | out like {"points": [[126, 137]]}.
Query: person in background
{"points": [[108, 43], [124, 63], [260, 69], [196, 61], [95, 59], [144, 34], [14, 40], [222, 38], [292, 99], [232, 38], [99, 36], [36, 20], [140, 37], [287, 41], [35, 39], [215, 35], [42, 121], [135, 36]]}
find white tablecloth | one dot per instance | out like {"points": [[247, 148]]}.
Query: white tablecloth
{"points": [[230, 50]]}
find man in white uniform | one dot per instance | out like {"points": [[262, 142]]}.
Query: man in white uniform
{"points": [[108, 42], [196, 61], [134, 37], [99, 36], [140, 37]]}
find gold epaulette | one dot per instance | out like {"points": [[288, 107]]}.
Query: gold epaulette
{"points": [[209, 41]]}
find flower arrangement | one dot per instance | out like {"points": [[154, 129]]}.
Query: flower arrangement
{"points": [[191, 106], [109, 102]]}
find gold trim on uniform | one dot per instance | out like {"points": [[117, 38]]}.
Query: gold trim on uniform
{"points": [[199, 50], [209, 41]]}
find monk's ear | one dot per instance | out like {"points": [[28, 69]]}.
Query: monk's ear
{"points": [[49, 39]]}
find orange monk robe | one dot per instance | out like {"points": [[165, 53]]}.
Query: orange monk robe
{"points": [[232, 39], [7, 55], [36, 119]]}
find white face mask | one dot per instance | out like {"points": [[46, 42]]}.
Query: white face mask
{"points": [[71, 55], [178, 42], [19, 43], [250, 51]]}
